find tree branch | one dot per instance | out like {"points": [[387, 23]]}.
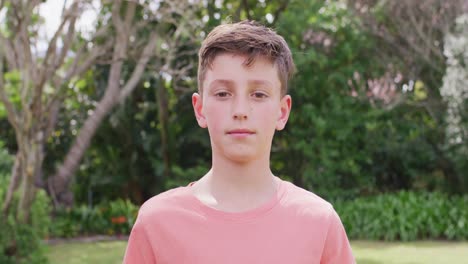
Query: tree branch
{"points": [[116, 19], [95, 52], [78, 67], [22, 45], [51, 61], [78, 70], [66, 43], [51, 56], [53, 117], [74, 71], [419, 30], [24, 20], [14, 184], [129, 15], [139, 69], [31, 5], [9, 52]]}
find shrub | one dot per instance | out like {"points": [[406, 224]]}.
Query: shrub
{"points": [[115, 217], [22, 243], [405, 216]]}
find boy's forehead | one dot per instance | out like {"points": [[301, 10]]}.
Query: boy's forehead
{"points": [[259, 69], [246, 59]]}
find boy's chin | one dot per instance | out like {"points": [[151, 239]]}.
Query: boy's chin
{"points": [[241, 157]]}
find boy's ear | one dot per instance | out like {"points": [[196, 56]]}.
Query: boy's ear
{"points": [[197, 103], [285, 109]]}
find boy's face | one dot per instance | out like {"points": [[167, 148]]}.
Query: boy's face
{"points": [[241, 106]]}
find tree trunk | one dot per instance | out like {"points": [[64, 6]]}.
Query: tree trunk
{"points": [[60, 181], [31, 155], [14, 184]]}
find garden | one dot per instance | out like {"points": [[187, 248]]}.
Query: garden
{"points": [[96, 118]]}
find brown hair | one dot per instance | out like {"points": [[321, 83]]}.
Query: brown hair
{"points": [[251, 39]]}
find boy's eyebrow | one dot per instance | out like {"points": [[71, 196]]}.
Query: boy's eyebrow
{"points": [[230, 83], [222, 82]]}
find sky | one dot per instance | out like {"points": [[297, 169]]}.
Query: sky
{"points": [[51, 11]]}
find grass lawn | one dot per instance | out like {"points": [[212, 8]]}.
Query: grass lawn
{"points": [[80, 253], [366, 252], [370, 252]]}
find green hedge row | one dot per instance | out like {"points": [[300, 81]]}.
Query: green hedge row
{"points": [[402, 216], [111, 218], [405, 216]]}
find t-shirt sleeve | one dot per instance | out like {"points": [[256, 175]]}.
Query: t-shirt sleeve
{"points": [[337, 249], [139, 249]]}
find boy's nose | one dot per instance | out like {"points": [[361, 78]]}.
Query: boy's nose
{"points": [[240, 111], [240, 116]]}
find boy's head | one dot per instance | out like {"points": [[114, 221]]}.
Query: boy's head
{"points": [[249, 39], [243, 74]]}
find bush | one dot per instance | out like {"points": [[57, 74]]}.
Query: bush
{"points": [[115, 217], [405, 216], [122, 215], [343, 142], [22, 243]]}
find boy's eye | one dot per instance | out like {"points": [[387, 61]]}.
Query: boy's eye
{"points": [[222, 94], [259, 95]]}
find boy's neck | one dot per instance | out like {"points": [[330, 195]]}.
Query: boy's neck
{"points": [[235, 187]]}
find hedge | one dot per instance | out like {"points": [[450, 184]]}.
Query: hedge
{"points": [[405, 216]]}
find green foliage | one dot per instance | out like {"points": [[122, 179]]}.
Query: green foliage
{"points": [[335, 144], [2, 111], [6, 160], [22, 243], [122, 215], [325, 137], [116, 217], [183, 177], [12, 84], [338, 143], [76, 221], [405, 216]]}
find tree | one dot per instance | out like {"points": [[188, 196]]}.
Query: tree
{"points": [[411, 36], [174, 22], [454, 91], [34, 84], [411, 31]]}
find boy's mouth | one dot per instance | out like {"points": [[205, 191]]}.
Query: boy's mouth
{"points": [[240, 132]]}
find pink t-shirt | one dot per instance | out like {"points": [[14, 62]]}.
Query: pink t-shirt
{"points": [[294, 227]]}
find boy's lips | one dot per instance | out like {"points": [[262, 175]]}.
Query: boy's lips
{"points": [[240, 132]]}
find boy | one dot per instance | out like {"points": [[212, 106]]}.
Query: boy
{"points": [[239, 212]]}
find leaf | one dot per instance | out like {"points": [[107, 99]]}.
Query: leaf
{"points": [[2, 111]]}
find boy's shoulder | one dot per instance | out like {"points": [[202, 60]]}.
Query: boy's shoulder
{"points": [[297, 198], [164, 202]]}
